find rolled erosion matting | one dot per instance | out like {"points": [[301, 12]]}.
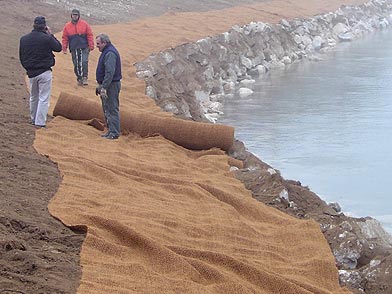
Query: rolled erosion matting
{"points": [[189, 134]]}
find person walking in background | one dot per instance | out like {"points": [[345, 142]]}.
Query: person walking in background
{"points": [[78, 36], [108, 76], [37, 58]]}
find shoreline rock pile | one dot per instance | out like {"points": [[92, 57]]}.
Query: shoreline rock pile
{"points": [[193, 79]]}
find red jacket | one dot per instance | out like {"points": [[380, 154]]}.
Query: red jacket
{"points": [[77, 35]]}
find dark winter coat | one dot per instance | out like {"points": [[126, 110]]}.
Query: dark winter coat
{"points": [[36, 52]]}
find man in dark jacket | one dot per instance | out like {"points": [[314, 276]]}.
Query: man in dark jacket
{"points": [[36, 56], [108, 77]]}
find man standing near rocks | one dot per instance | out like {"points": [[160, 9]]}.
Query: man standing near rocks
{"points": [[36, 56], [109, 84], [77, 34]]}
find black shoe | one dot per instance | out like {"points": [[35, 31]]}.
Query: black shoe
{"points": [[111, 137], [105, 135]]}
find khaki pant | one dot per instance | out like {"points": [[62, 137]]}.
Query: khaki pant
{"points": [[40, 87]]}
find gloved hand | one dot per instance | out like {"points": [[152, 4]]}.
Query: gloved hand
{"points": [[98, 90], [103, 94]]}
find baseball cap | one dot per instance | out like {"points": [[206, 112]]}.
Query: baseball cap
{"points": [[40, 20], [75, 11]]}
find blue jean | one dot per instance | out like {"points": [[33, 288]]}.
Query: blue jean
{"points": [[111, 110]]}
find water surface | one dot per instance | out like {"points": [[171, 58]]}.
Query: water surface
{"points": [[327, 124]]}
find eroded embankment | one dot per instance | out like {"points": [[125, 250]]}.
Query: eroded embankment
{"points": [[164, 219]]}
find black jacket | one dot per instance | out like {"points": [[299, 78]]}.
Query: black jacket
{"points": [[36, 52]]}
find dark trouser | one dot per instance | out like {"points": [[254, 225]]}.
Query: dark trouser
{"points": [[111, 110], [80, 61]]}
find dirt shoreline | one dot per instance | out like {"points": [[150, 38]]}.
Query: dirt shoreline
{"points": [[38, 253]]}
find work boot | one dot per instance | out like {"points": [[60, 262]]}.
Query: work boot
{"points": [[84, 81], [111, 137]]}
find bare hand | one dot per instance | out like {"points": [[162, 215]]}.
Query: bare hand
{"points": [[48, 31]]}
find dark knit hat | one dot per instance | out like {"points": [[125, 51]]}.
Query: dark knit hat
{"points": [[75, 11], [40, 20]]}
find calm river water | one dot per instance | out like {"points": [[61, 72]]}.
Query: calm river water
{"points": [[327, 124]]}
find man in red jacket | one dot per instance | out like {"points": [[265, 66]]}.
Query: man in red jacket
{"points": [[78, 36]]}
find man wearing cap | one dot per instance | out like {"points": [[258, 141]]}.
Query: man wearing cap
{"points": [[78, 36], [36, 56]]}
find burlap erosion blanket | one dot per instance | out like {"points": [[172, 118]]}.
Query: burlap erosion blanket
{"points": [[163, 219]]}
